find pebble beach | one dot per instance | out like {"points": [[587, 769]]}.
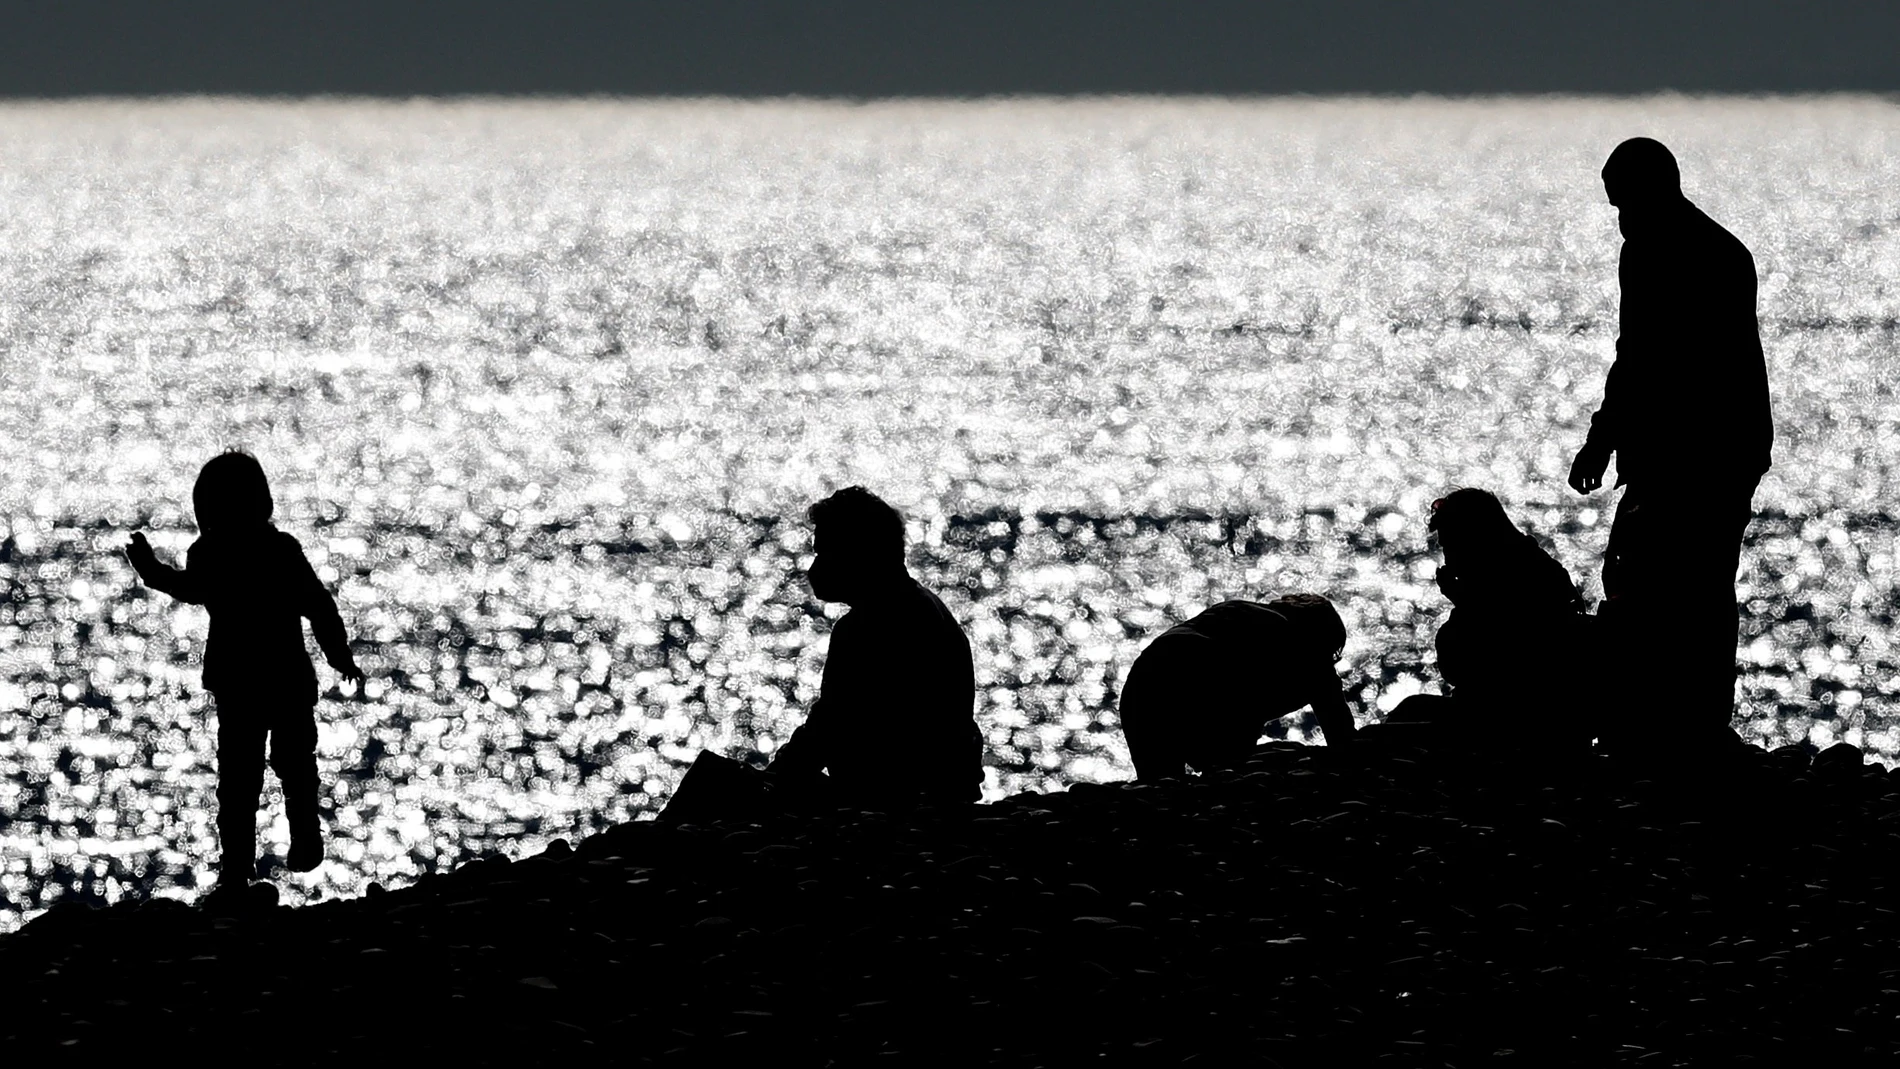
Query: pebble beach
{"points": [[1366, 904]]}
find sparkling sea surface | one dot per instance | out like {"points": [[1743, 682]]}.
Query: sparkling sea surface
{"points": [[545, 387]]}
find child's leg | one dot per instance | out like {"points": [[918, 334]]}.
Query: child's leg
{"points": [[293, 755], [240, 781]]}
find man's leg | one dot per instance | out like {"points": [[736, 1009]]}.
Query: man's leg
{"points": [[1719, 527], [293, 755], [1671, 613], [240, 781]]}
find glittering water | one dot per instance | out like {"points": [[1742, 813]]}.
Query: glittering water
{"points": [[545, 387]]}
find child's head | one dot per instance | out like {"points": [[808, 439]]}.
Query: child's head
{"points": [[231, 493], [1319, 623], [1468, 520]]}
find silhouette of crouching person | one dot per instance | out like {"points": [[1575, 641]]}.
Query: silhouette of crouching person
{"points": [[1203, 691], [893, 725], [258, 588]]}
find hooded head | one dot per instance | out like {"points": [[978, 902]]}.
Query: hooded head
{"points": [[1469, 522], [858, 542], [231, 494], [1642, 180]]}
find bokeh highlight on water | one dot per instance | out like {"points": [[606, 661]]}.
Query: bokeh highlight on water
{"points": [[544, 389]]}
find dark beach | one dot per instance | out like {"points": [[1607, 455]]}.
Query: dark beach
{"points": [[1372, 904]]}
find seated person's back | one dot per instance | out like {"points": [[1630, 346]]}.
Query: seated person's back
{"points": [[1202, 692], [893, 723]]}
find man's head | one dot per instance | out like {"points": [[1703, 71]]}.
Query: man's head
{"points": [[858, 542], [1318, 622], [1642, 180]]}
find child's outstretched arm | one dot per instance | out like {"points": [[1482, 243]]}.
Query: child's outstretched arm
{"points": [[325, 622], [160, 577]]}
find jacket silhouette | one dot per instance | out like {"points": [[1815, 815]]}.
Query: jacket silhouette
{"points": [[259, 589], [1687, 396]]}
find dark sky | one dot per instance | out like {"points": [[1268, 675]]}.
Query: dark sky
{"points": [[898, 47]]}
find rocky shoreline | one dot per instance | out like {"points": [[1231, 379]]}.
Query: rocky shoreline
{"points": [[1373, 904]]}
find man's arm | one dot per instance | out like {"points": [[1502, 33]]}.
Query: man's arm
{"points": [[804, 753], [162, 577], [1586, 472], [808, 751]]}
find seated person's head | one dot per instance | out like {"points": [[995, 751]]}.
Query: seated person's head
{"points": [[1317, 622], [1469, 522], [231, 494], [858, 542]]}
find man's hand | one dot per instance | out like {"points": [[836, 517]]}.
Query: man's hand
{"points": [[139, 552], [1586, 472], [348, 670]]}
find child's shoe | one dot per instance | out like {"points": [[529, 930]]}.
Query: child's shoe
{"points": [[227, 899], [306, 853]]}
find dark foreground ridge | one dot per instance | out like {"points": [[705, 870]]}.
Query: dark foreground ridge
{"points": [[1342, 906]]}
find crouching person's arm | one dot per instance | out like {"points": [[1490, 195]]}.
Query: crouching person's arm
{"points": [[1329, 704]]}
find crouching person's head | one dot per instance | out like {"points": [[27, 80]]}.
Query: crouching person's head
{"points": [[1321, 632], [858, 542]]}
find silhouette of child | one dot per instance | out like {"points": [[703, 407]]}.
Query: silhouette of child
{"points": [[1516, 627], [1201, 693], [259, 588]]}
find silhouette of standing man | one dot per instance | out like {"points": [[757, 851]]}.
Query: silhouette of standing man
{"points": [[1685, 410]]}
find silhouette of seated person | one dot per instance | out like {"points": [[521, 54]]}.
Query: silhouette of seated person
{"points": [[893, 725], [1513, 640], [1203, 691]]}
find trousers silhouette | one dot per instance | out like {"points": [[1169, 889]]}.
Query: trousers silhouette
{"points": [[243, 727], [1669, 575]]}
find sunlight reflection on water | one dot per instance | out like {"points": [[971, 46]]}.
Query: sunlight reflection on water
{"points": [[544, 388]]}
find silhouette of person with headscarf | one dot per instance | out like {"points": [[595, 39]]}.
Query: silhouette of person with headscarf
{"points": [[1516, 619], [1202, 692], [257, 586], [1685, 410], [893, 723]]}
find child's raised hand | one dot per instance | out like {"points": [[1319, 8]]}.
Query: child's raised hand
{"points": [[139, 552]]}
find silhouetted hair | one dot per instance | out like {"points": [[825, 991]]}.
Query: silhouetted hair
{"points": [[231, 492], [1643, 163], [1470, 515], [861, 523], [1316, 617]]}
